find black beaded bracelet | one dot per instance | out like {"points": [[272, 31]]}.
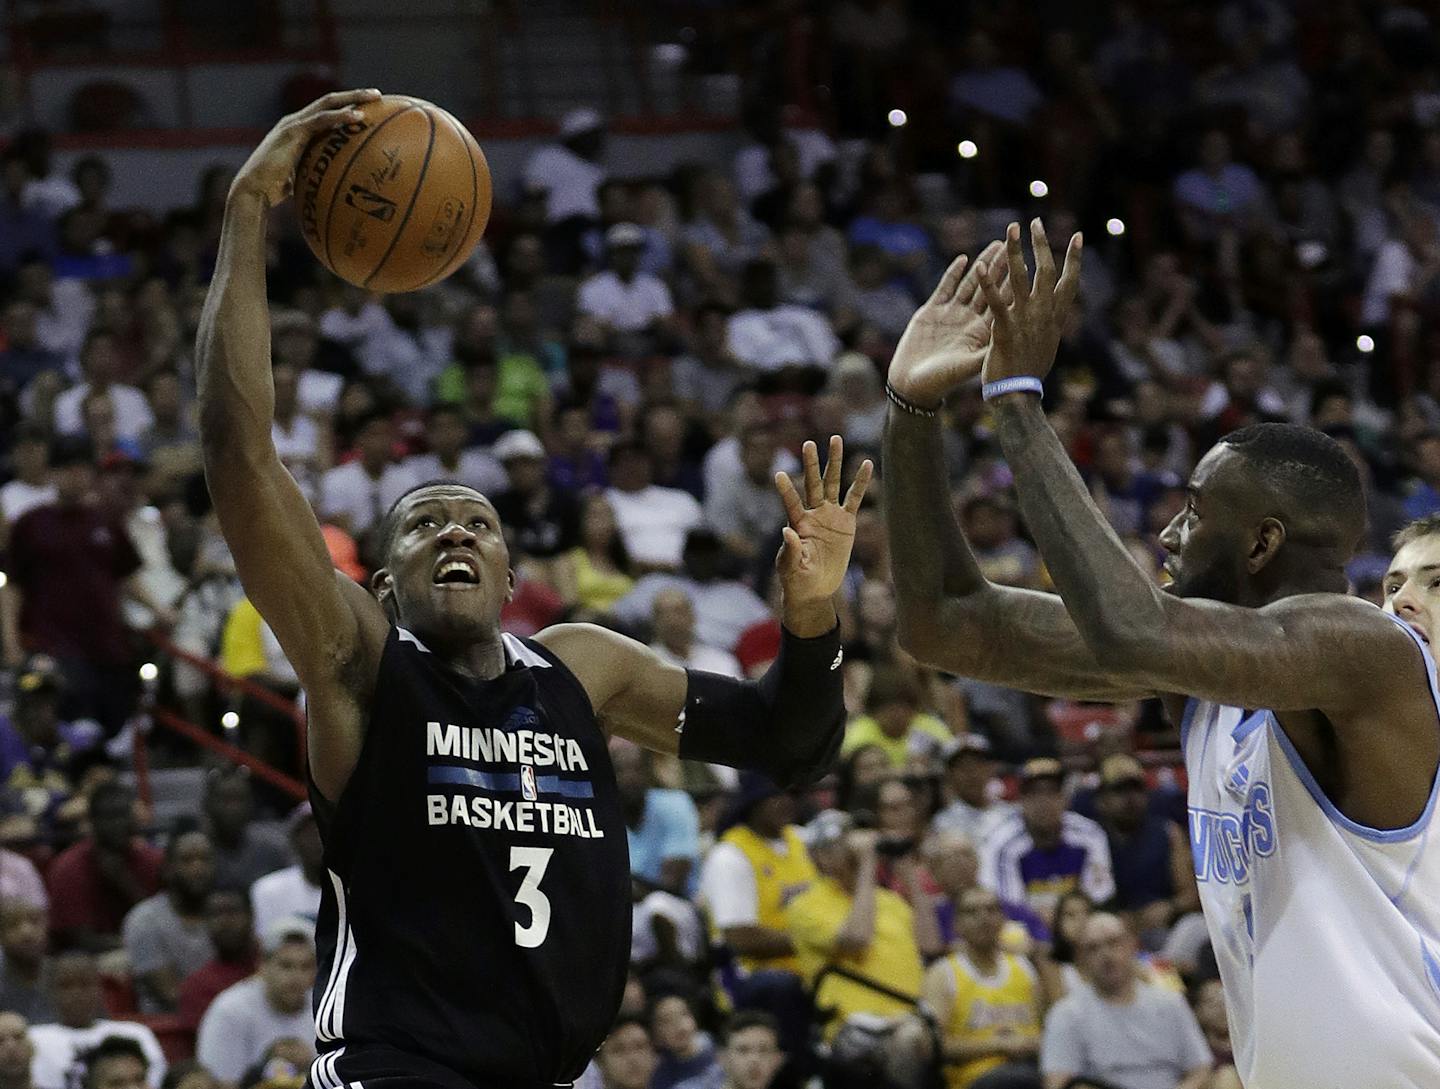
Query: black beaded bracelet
{"points": [[906, 405]]}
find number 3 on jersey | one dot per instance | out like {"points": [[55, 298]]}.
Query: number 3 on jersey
{"points": [[534, 860]]}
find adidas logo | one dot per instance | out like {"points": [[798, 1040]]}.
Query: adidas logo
{"points": [[680, 722], [839, 657]]}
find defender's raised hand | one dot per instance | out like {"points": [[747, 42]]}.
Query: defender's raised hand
{"points": [[1027, 324], [270, 170], [945, 342], [816, 551]]}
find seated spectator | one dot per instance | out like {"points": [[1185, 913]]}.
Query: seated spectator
{"points": [[1207, 999], [189, 1075], [663, 827], [244, 851], [60, 1046], [1153, 865], [295, 433], [721, 238], [39, 753], [859, 776], [244, 1020], [665, 433], [845, 920], [595, 574], [100, 363], [706, 378], [166, 935], [30, 487], [1218, 193], [769, 335], [685, 1053], [172, 445], [295, 890], [673, 621], [628, 302], [1045, 851], [25, 940], [576, 460], [24, 356], [1004, 557], [972, 810], [17, 1053], [1056, 960], [952, 860], [988, 1002], [724, 606], [750, 1057], [1118, 1030], [542, 520], [231, 926], [626, 1060], [874, 296], [449, 457], [1123, 489], [356, 495], [95, 883], [857, 383], [116, 1062], [653, 520], [745, 511], [893, 719]]}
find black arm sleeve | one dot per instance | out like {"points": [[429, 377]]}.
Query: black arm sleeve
{"points": [[788, 724]]}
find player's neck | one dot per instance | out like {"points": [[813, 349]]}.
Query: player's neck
{"points": [[1312, 574], [480, 660]]}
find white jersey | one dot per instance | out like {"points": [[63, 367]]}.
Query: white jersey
{"points": [[1327, 932]]}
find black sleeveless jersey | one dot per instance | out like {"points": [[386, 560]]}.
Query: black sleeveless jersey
{"points": [[477, 912]]}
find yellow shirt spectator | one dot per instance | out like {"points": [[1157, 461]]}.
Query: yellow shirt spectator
{"points": [[921, 733]]}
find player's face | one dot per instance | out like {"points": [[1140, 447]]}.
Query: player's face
{"points": [[448, 567], [1204, 543], [1412, 586], [752, 1057]]}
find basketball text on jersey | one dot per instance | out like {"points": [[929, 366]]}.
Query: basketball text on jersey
{"points": [[501, 763]]}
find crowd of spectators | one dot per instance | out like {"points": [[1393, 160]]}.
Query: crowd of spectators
{"points": [[622, 367]]}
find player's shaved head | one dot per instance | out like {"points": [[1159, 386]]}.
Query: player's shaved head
{"points": [[1306, 479]]}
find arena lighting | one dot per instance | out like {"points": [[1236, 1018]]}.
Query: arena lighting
{"points": [[1365, 343], [897, 118], [967, 149], [230, 720], [4, 578], [149, 671], [1038, 188], [1116, 227]]}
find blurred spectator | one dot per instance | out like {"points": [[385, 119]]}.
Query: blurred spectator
{"points": [[356, 495], [663, 430], [100, 362], [542, 520], [953, 862], [64, 308], [30, 487], [770, 335], [991, 528], [991, 89], [17, 1053], [449, 457], [1045, 850], [750, 1057], [39, 751], [893, 719], [231, 927], [274, 1004], [626, 301], [653, 520], [595, 574], [746, 510], [1118, 1030], [845, 920], [94, 884], [296, 435], [1208, 1001], [721, 237], [663, 826], [47, 192], [856, 382], [1218, 194], [626, 1059], [673, 621], [724, 606], [61, 1046], [1056, 961], [568, 173], [23, 231], [24, 939], [685, 1053], [244, 851], [987, 1001], [293, 892], [23, 356], [166, 936], [972, 810]]}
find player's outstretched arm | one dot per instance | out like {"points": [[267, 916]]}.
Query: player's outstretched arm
{"points": [[321, 618], [951, 617], [788, 723], [1313, 651]]}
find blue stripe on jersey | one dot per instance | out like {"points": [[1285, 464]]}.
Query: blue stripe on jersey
{"points": [[509, 782]]}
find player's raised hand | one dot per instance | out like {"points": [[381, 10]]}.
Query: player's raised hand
{"points": [[944, 345], [816, 551], [270, 170], [1028, 317]]}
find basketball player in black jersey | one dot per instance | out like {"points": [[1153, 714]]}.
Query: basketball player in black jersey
{"points": [[475, 924]]}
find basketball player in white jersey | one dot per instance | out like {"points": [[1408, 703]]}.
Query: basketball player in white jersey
{"points": [[1309, 718]]}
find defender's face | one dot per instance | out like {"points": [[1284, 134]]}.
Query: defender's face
{"points": [[1205, 551], [448, 570], [1412, 586]]}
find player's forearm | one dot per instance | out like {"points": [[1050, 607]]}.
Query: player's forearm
{"points": [[236, 391], [1111, 600]]}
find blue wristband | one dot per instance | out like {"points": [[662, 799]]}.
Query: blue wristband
{"points": [[1020, 384]]}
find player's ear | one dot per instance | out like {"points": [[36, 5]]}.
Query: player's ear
{"points": [[1269, 536], [383, 587], [509, 584]]}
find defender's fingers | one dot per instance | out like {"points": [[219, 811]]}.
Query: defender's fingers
{"points": [[857, 486], [833, 462], [794, 509], [810, 462]]}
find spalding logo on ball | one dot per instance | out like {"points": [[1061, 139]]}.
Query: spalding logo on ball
{"points": [[397, 200]]}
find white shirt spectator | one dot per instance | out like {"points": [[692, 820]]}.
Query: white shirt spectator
{"points": [[654, 522], [298, 446], [627, 308], [477, 468], [350, 491], [571, 183], [739, 507], [723, 609], [707, 659], [52, 197], [240, 1024], [722, 462], [318, 392], [281, 894], [132, 412], [17, 497], [61, 326], [1392, 274], [20, 880], [1008, 844], [782, 336], [727, 885], [382, 348], [753, 175], [1150, 1043], [58, 1049]]}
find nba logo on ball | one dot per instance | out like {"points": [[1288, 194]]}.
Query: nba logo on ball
{"points": [[527, 783]]}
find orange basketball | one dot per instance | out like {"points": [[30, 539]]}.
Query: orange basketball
{"points": [[395, 201]]}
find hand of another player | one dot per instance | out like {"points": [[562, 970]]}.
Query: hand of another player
{"points": [[816, 551], [1027, 324], [944, 345], [270, 170]]}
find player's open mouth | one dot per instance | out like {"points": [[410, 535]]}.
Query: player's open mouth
{"points": [[457, 572]]}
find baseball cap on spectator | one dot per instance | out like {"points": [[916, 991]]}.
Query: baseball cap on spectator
{"points": [[580, 121], [286, 929], [624, 234], [39, 673], [517, 444], [344, 553], [753, 789], [69, 450], [1120, 770], [1041, 769], [969, 745]]}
